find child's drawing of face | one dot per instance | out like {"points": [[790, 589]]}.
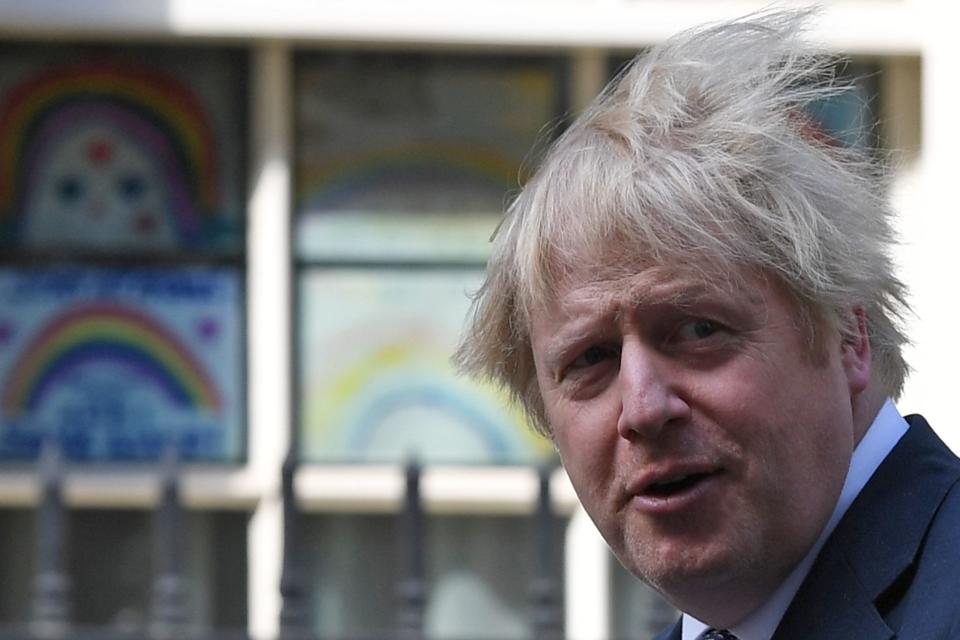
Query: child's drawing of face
{"points": [[97, 190]]}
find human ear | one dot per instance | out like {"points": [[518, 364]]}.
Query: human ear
{"points": [[855, 353]]}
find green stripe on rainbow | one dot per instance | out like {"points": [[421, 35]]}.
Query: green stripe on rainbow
{"points": [[107, 332], [162, 96]]}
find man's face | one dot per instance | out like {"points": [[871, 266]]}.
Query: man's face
{"points": [[703, 438]]}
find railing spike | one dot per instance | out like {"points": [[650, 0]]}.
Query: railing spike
{"points": [[50, 608], [168, 616], [411, 590], [294, 618]]}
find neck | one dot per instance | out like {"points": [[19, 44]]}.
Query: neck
{"points": [[866, 405]]}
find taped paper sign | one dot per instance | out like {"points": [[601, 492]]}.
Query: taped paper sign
{"points": [[116, 363], [110, 156]]}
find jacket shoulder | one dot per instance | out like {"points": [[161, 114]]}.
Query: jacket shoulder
{"points": [[927, 608]]}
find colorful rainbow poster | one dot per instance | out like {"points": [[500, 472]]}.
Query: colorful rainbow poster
{"points": [[413, 157], [377, 383], [117, 363], [101, 153]]}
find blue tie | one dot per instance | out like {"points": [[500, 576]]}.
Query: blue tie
{"points": [[717, 634]]}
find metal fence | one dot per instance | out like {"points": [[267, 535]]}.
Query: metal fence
{"points": [[50, 610]]}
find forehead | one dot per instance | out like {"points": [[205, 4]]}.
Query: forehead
{"points": [[583, 304], [602, 291]]}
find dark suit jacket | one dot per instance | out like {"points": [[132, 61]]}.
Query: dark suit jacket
{"points": [[891, 568]]}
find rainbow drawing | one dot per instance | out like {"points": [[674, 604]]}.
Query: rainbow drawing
{"points": [[147, 106], [104, 332], [462, 413], [349, 414], [328, 185]]}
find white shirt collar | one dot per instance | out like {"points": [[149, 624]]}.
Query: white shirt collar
{"points": [[882, 436]]}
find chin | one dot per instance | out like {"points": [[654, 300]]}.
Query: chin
{"points": [[678, 567]]}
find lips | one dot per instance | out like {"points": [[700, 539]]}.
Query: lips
{"points": [[674, 486]]}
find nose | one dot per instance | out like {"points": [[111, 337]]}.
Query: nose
{"points": [[648, 385]]}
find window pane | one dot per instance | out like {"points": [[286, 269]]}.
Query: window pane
{"points": [[376, 380], [17, 551], [353, 564], [121, 150], [116, 362], [111, 556], [412, 156], [479, 571]]}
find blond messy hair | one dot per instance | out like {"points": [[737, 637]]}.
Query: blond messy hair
{"points": [[699, 154]]}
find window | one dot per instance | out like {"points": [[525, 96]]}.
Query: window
{"points": [[121, 227], [404, 165]]}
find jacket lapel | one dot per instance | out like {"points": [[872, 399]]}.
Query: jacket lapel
{"points": [[832, 604], [874, 544]]}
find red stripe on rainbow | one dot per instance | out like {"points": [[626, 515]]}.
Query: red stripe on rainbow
{"points": [[114, 324]]}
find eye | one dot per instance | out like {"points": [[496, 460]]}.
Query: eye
{"points": [[696, 330], [591, 357], [69, 189]]}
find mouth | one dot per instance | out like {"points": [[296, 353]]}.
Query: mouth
{"points": [[674, 486]]}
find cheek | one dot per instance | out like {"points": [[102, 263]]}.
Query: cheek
{"points": [[800, 449], [581, 424], [586, 438]]}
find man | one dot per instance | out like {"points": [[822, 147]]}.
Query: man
{"points": [[694, 298]]}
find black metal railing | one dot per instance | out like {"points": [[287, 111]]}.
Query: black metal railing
{"points": [[169, 615]]}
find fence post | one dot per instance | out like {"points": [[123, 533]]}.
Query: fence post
{"points": [[168, 616], [545, 588], [411, 589], [294, 621], [50, 607]]}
